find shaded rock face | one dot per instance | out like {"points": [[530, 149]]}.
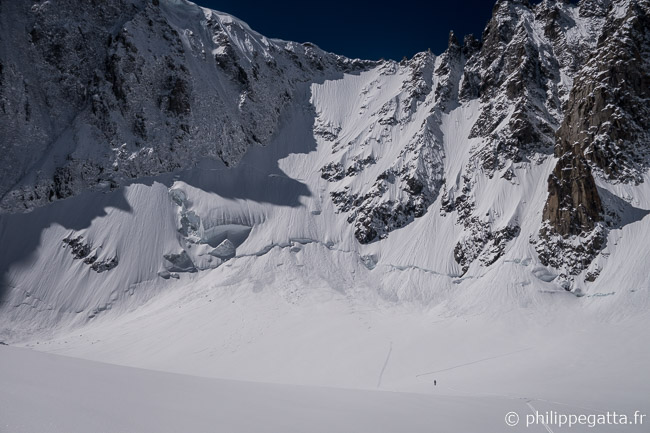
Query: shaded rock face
{"points": [[608, 114], [517, 75], [563, 80], [104, 92], [571, 255], [605, 128], [84, 251], [484, 244], [573, 205], [48, 67], [594, 8], [522, 76], [606, 122], [571, 236]]}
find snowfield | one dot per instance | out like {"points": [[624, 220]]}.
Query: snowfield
{"points": [[485, 368], [66, 395], [320, 282]]}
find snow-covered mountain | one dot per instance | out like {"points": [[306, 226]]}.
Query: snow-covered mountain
{"points": [[157, 156], [98, 99]]}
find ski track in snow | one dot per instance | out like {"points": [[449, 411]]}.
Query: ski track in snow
{"points": [[473, 362], [383, 368], [534, 411], [519, 397]]}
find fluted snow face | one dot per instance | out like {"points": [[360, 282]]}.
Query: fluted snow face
{"points": [[186, 144]]}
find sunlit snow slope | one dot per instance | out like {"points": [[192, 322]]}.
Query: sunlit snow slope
{"points": [[380, 238], [101, 397]]}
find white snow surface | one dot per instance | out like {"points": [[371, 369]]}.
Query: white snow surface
{"points": [[49, 393], [298, 304], [347, 337]]}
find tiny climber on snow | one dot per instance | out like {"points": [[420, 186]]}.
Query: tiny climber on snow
{"points": [[434, 382]]}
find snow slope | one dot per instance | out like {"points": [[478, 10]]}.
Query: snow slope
{"points": [[302, 302], [44, 392], [274, 208], [371, 239], [206, 405], [202, 405]]}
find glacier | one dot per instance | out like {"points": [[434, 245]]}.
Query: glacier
{"points": [[199, 200]]}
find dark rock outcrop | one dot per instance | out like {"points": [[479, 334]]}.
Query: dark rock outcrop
{"points": [[573, 205], [81, 250], [604, 132], [608, 112]]}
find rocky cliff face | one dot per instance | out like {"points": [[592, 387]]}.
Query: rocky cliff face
{"points": [[555, 94], [92, 95], [605, 128], [606, 119]]}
